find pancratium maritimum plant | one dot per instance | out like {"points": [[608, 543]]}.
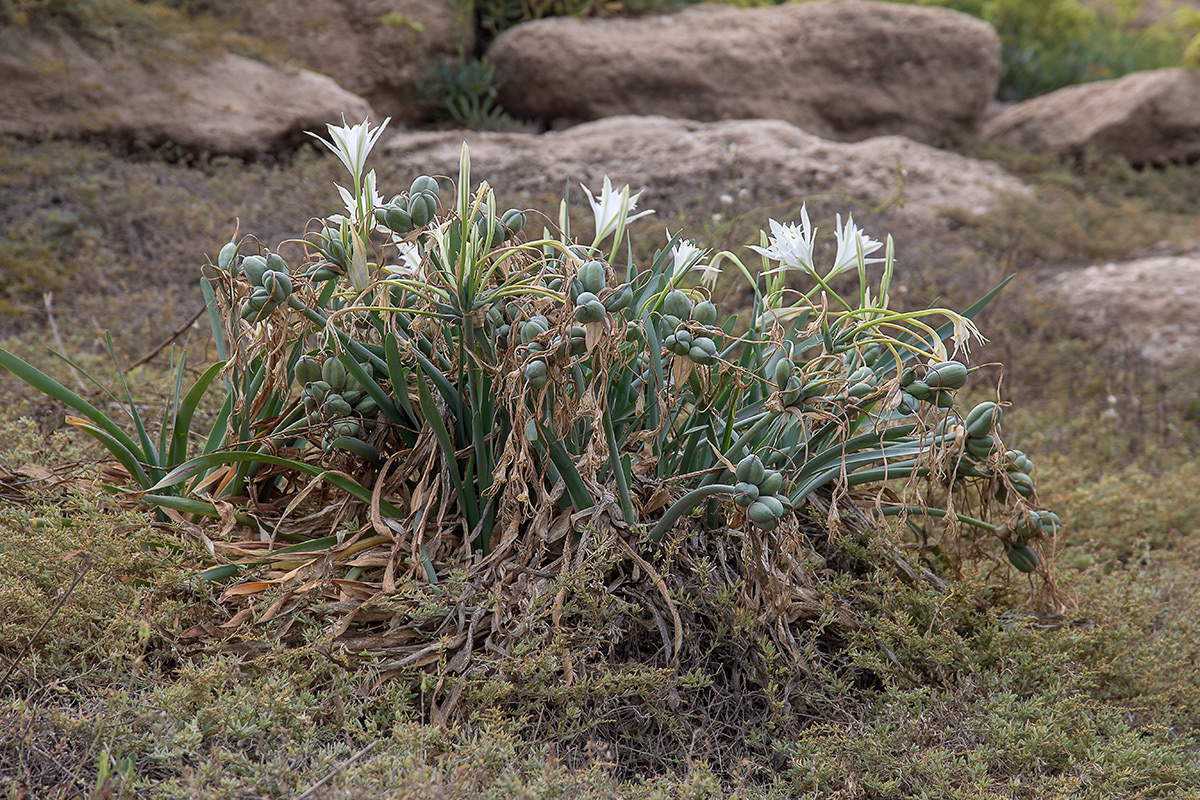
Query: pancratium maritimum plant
{"points": [[432, 390]]}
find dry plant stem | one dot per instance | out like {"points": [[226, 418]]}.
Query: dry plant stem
{"points": [[83, 569], [339, 768], [182, 329], [48, 300]]}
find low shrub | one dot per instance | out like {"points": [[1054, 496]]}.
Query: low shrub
{"points": [[497, 460]]}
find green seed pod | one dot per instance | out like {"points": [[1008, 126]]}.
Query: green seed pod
{"points": [[490, 226], [908, 404], [421, 209], [1022, 483], [537, 373], [514, 221], [677, 304], [425, 185], [919, 390], [554, 284], [705, 313], [310, 402], [1023, 557], [322, 274], [278, 285], [943, 399], [784, 368], [774, 503], [793, 392], [947, 375], [398, 220], [772, 482], [320, 389], [593, 276], [276, 263], [591, 311], [335, 407], [226, 256], [982, 419], [699, 356], [751, 470], [575, 289], [620, 299], [981, 447], [532, 329], [367, 407], [1049, 521], [747, 493], [259, 298], [338, 254], [760, 513], [1036, 524], [871, 354], [1020, 461], [333, 372], [585, 297], [861, 375], [307, 370], [860, 390], [250, 312], [349, 429], [352, 396], [254, 267], [907, 377]]}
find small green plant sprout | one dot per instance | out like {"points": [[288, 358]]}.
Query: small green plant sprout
{"points": [[436, 391]]}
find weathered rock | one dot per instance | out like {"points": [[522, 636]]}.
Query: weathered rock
{"points": [[374, 48], [1151, 303], [771, 160], [842, 70], [216, 102], [1147, 117]]}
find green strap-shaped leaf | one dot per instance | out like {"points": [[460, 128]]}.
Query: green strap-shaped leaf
{"points": [[187, 408], [433, 418], [208, 461], [48, 386]]}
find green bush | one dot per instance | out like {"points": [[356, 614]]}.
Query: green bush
{"points": [[464, 92]]}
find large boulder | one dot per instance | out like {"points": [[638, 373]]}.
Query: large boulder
{"points": [[772, 161], [375, 48], [1147, 117], [1152, 304], [842, 70], [212, 101]]}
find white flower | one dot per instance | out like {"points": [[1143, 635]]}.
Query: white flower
{"points": [[612, 209], [790, 245], [356, 213], [685, 258], [964, 333], [352, 144], [410, 261], [850, 240]]}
